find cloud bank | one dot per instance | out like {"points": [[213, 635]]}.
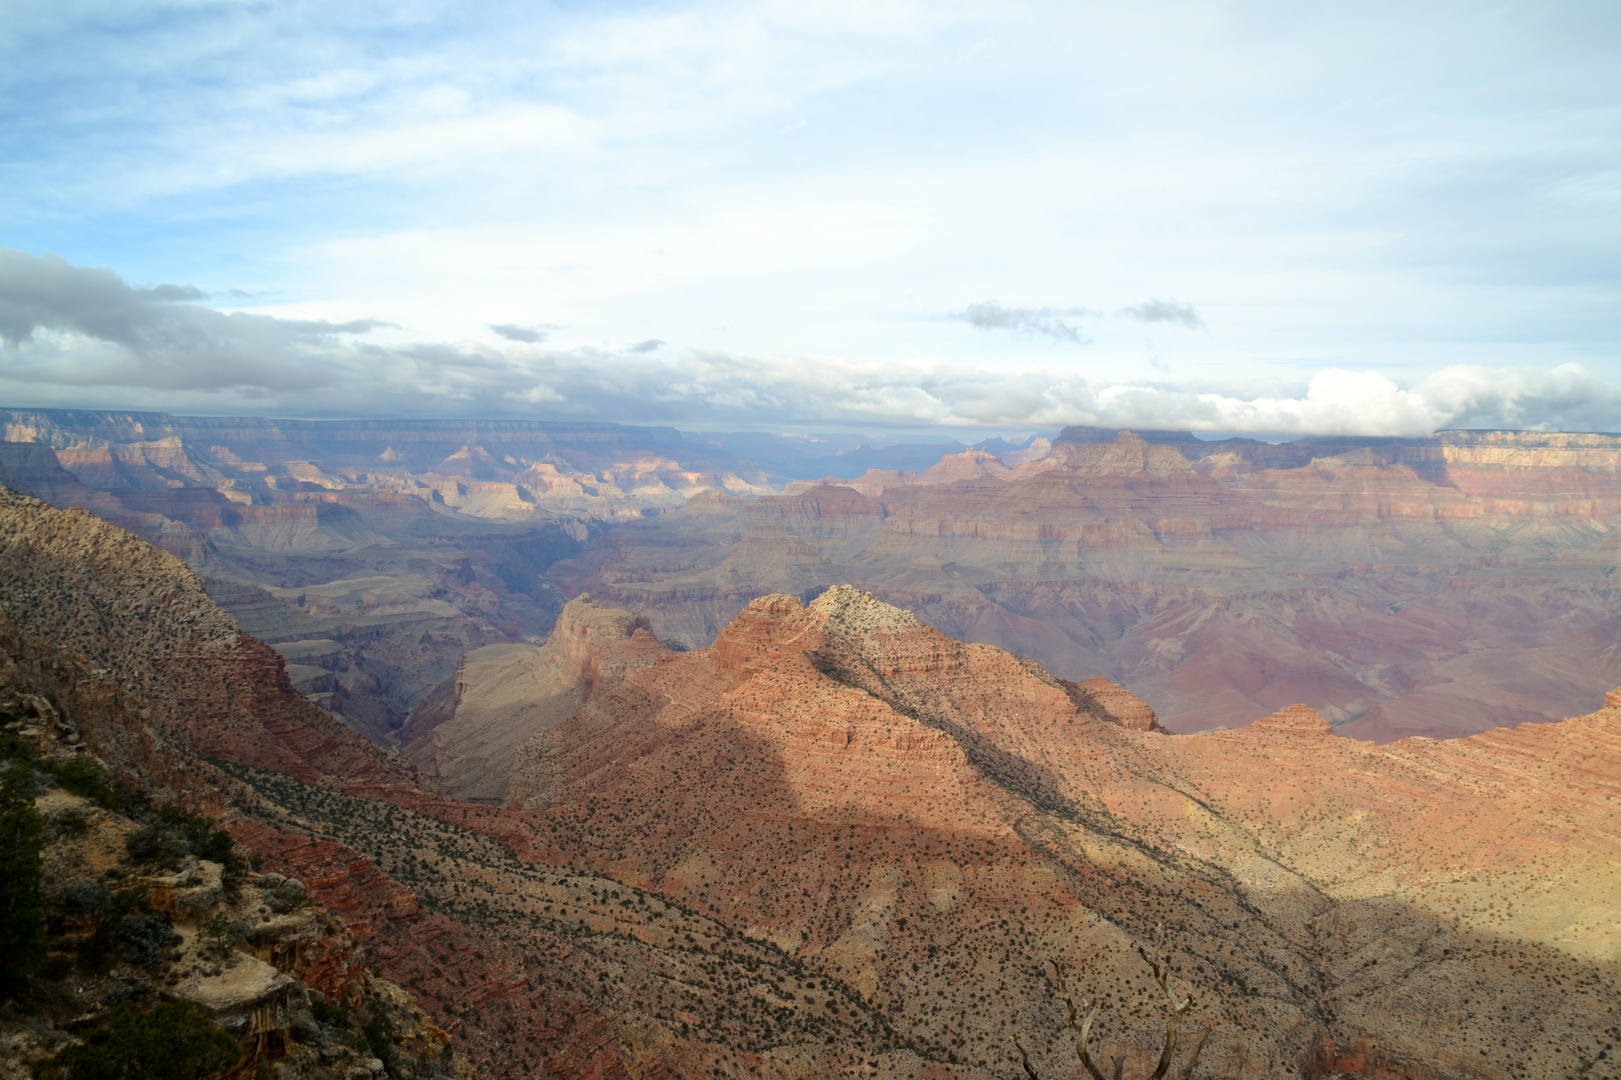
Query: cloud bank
{"points": [[79, 336]]}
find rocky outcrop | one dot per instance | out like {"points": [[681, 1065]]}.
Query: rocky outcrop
{"points": [[921, 817], [1301, 721], [1108, 700], [504, 695], [1404, 587]]}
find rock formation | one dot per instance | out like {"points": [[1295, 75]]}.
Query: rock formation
{"points": [[503, 695], [531, 970], [1438, 587], [930, 821]]}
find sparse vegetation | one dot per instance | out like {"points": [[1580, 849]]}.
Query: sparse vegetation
{"points": [[22, 943], [171, 1041]]}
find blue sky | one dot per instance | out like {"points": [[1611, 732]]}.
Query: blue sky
{"points": [[1369, 218]]}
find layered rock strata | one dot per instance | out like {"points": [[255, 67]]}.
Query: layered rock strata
{"points": [[933, 821], [469, 734], [1435, 587]]}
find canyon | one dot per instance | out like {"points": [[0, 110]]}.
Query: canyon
{"points": [[374, 555], [842, 842], [1438, 587], [1441, 586], [837, 840]]}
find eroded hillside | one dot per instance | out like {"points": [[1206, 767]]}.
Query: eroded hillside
{"points": [[1435, 587], [531, 970], [932, 821]]}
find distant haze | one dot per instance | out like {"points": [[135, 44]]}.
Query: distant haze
{"points": [[1241, 217]]}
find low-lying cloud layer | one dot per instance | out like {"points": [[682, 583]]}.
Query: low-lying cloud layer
{"points": [[78, 336]]}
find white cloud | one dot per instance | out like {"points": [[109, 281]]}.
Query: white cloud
{"points": [[81, 336]]}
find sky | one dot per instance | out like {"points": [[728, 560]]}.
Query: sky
{"points": [[1372, 218]]}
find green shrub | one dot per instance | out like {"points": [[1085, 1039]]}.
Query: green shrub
{"points": [[221, 932], [176, 832], [146, 936], [84, 776], [328, 1015], [96, 948], [169, 1042], [22, 908], [157, 844]]}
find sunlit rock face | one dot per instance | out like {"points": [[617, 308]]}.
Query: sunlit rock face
{"points": [[468, 734], [932, 821], [1437, 586]]}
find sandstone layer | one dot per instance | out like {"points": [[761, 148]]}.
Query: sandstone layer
{"points": [[1440, 587]]}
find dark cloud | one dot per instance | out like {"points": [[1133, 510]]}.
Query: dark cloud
{"points": [[990, 315], [173, 292], [84, 325], [650, 345], [75, 336], [526, 335], [1165, 311]]}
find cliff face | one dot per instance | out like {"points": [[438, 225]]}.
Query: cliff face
{"points": [[1439, 587], [503, 695], [931, 821]]}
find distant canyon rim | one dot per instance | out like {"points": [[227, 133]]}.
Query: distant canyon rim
{"points": [[1441, 586]]}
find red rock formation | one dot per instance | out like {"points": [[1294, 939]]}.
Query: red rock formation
{"points": [[1297, 720], [878, 798], [1109, 700], [1436, 587]]}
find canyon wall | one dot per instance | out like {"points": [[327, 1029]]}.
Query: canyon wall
{"points": [[1442, 586]]}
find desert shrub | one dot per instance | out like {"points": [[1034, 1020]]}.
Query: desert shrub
{"points": [[328, 1015], [22, 908], [18, 750], [287, 895], [126, 904], [156, 844], [175, 832], [81, 775], [87, 898], [379, 1032], [169, 1042], [221, 932], [146, 936], [84, 776]]}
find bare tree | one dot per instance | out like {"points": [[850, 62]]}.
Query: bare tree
{"points": [[1162, 973]]}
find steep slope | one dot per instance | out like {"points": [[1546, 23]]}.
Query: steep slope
{"points": [[533, 971], [143, 616], [932, 821], [1439, 587], [469, 734]]}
